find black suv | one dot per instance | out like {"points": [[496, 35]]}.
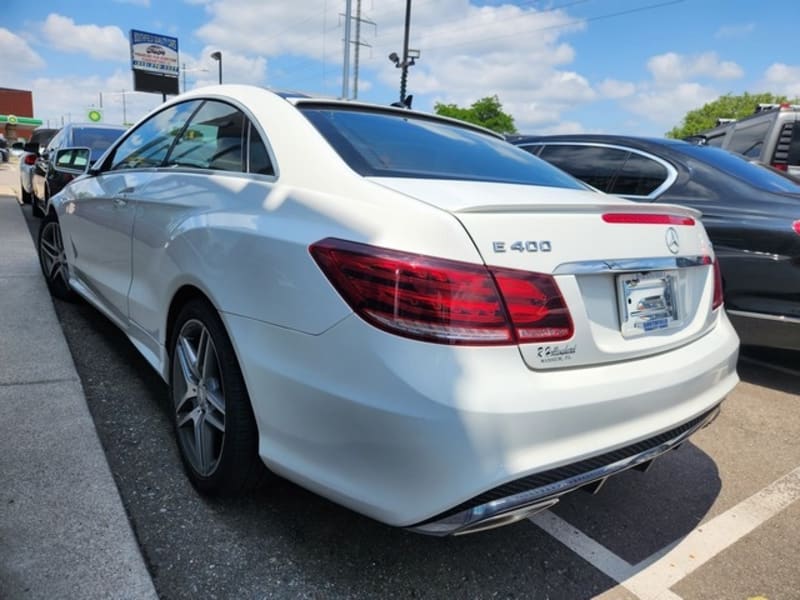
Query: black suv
{"points": [[770, 136]]}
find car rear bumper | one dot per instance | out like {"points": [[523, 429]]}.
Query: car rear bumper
{"points": [[408, 432]]}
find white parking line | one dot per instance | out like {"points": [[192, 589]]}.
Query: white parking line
{"points": [[652, 578]]}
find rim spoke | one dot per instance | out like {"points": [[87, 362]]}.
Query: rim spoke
{"points": [[216, 399], [212, 421], [203, 439], [193, 415], [203, 352], [187, 359]]}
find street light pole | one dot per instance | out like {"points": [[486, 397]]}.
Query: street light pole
{"points": [[218, 57], [404, 66]]}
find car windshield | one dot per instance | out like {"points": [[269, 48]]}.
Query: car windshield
{"points": [[98, 139], [741, 168], [387, 144]]}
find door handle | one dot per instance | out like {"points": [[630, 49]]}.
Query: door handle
{"points": [[120, 202]]}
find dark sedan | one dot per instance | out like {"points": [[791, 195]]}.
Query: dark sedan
{"points": [[752, 216], [46, 181]]}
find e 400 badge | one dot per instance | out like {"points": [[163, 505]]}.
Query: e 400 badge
{"points": [[529, 246]]}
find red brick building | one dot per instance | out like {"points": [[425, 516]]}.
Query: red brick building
{"points": [[17, 104]]}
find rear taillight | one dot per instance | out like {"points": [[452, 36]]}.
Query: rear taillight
{"points": [[30, 159], [444, 301], [796, 227], [647, 219], [718, 296]]}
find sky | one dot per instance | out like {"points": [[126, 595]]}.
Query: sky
{"points": [[557, 66]]}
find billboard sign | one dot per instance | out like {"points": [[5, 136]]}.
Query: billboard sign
{"points": [[154, 61]]}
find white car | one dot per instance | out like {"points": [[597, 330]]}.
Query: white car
{"points": [[401, 312]]}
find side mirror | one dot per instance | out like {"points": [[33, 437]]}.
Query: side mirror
{"points": [[74, 161]]}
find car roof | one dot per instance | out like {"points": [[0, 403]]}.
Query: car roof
{"points": [[595, 138]]}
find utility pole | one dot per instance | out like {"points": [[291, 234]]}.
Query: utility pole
{"points": [[124, 110], [358, 43], [346, 64]]}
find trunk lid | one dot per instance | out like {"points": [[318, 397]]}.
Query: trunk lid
{"points": [[634, 284]]}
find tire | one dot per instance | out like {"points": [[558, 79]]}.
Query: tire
{"points": [[53, 260], [211, 412], [25, 196]]}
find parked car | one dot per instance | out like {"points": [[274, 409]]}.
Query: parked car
{"points": [[771, 135], [38, 141], [46, 181], [17, 149], [752, 215], [5, 153], [398, 311]]}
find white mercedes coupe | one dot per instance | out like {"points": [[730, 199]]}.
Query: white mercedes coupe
{"points": [[401, 312]]}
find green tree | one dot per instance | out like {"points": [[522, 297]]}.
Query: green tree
{"points": [[724, 107], [487, 112]]}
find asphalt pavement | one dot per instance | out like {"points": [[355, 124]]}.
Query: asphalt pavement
{"points": [[64, 532]]}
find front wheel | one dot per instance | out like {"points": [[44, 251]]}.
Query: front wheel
{"points": [[212, 415], [53, 259]]}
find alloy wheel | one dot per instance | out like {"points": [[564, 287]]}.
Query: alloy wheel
{"points": [[198, 397], [54, 260]]}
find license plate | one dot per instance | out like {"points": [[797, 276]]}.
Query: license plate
{"points": [[647, 302]]}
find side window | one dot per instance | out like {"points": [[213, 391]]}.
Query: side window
{"points": [[595, 165], [148, 144], [715, 141], [639, 176], [258, 157], [749, 140], [794, 146], [212, 139]]}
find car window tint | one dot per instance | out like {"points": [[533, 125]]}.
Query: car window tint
{"points": [[639, 176], [392, 144], [741, 168], [211, 140], [595, 165], [794, 146], [749, 140], [258, 157], [147, 145], [95, 138]]}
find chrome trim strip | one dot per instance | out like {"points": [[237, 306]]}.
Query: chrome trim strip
{"points": [[630, 264], [763, 317], [470, 520]]}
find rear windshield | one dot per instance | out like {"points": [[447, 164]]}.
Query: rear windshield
{"points": [[377, 144], [97, 139], [741, 168]]}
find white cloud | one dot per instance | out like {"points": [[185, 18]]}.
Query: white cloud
{"points": [[17, 56], [60, 100], [612, 88], [671, 67], [735, 31], [102, 43], [236, 68], [467, 52], [667, 105], [783, 79]]}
